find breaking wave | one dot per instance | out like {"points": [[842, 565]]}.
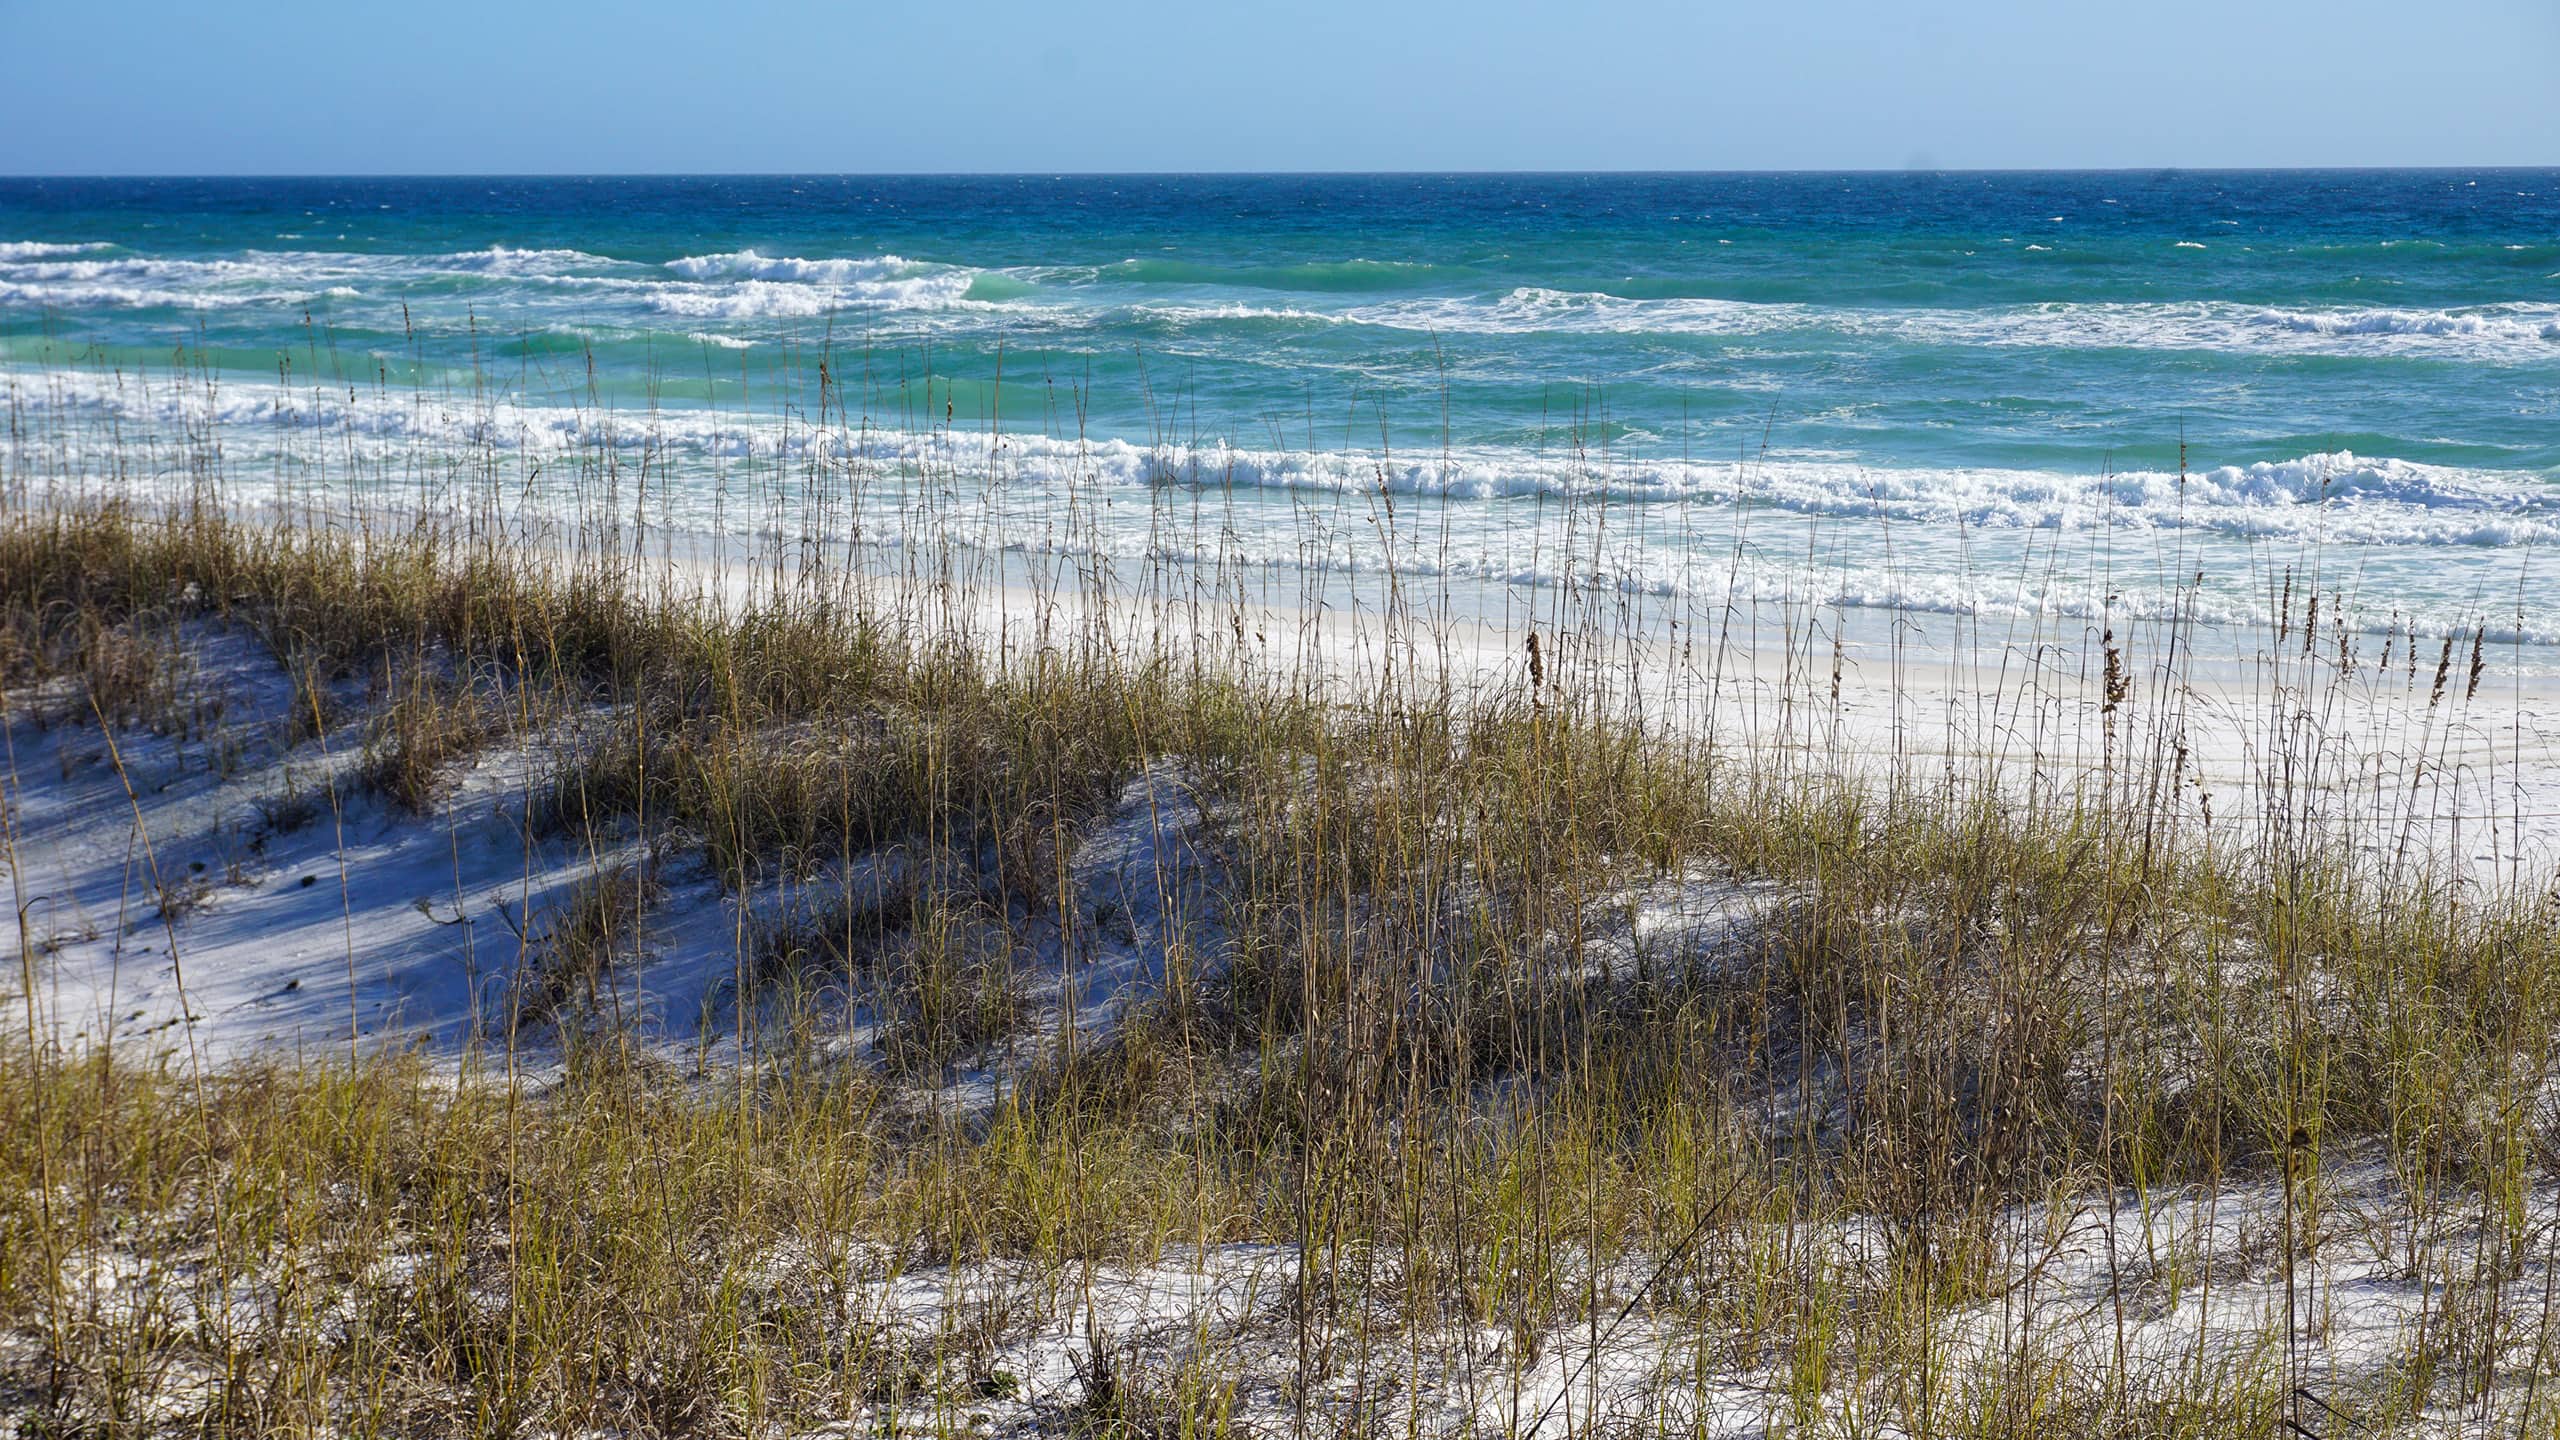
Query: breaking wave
{"points": [[2520, 331], [746, 283], [2404, 515]]}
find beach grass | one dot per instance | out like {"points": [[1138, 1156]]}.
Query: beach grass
{"points": [[1510, 1053]]}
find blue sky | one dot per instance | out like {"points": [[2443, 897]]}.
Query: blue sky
{"points": [[651, 85]]}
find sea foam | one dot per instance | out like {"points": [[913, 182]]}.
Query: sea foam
{"points": [[1496, 500], [2335, 496], [746, 284], [38, 249], [503, 260], [753, 265], [2519, 331]]}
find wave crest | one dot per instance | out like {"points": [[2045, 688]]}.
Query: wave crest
{"points": [[41, 249], [2509, 332], [756, 265], [505, 260], [744, 284]]}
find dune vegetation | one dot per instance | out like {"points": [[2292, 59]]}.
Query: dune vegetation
{"points": [[1149, 1012]]}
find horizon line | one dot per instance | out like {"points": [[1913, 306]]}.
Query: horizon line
{"points": [[1184, 174]]}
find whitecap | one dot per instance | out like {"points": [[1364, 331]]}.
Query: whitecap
{"points": [[503, 260], [2516, 322], [2403, 508], [774, 299], [38, 249], [755, 265], [745, 284], [754, 299], [2520, 331], [1195, 314], [90, 297]]}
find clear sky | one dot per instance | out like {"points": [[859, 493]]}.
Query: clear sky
{"points": [[350, 86]]}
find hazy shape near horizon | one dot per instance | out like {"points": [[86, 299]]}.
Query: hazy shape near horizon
{"points": [[474, 87]]}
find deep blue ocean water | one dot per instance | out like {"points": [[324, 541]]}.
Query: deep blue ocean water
{"points": [[1949, 369]]}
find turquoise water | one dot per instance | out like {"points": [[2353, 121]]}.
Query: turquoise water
{"points": [[1968, 393]]}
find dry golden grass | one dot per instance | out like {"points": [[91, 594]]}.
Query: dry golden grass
{"points": [[1428, 1057]]}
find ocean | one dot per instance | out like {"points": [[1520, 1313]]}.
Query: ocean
{"points": [[1977, 394]]}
